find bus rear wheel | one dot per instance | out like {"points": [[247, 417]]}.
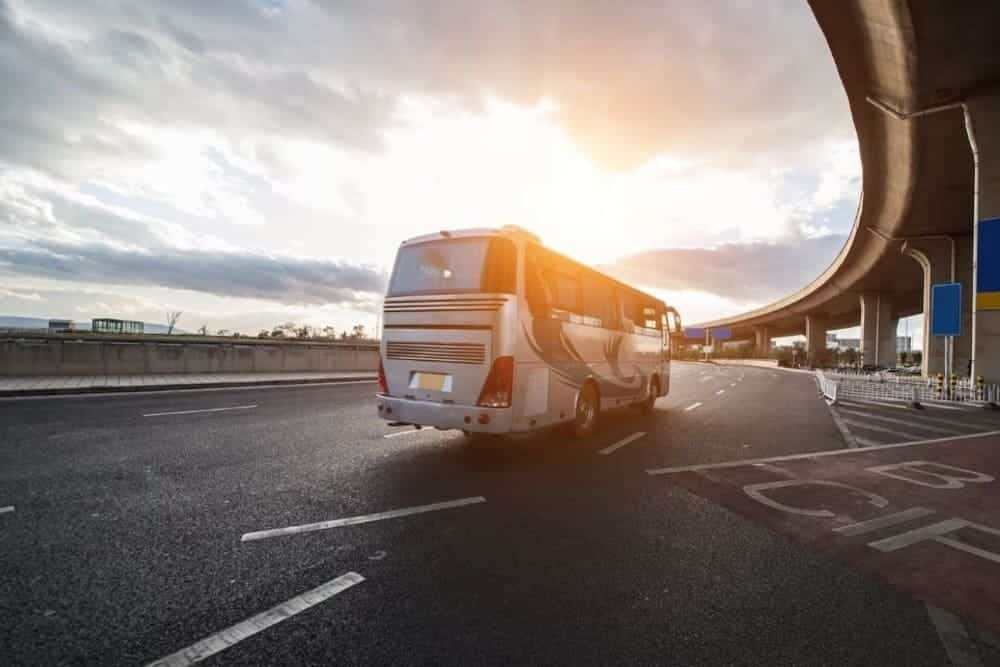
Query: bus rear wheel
{"points": [[647, 405], [588, 410]]}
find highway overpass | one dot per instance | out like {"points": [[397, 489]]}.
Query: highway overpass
{"points": [[921, 82]]}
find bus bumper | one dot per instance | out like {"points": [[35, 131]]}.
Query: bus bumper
{"points": [[444, 416]]}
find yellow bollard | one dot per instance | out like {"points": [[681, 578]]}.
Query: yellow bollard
{"points": [[979, 387], [952, 394], [940, 385]]}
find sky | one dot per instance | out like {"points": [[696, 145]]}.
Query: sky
{"points": [[253, 162]]}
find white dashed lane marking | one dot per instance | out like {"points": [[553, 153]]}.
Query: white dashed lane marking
{"points": [[220, 641], [621, 443], [5, 510], [364, 518], [721, 391], [691, 407]]}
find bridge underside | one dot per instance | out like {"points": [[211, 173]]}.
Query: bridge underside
{"points": [[916, 223]]}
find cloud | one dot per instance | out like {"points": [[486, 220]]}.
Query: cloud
{"points": [[748, 272], [23, 296], [84, 83], [722, 81], [283, 279]]}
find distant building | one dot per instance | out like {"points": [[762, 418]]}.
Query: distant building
{"points": [[903, 343], [60, 325], [113, 326]]}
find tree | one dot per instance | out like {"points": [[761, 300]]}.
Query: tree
{"points": [[264, 333], [172, 317], [304, 331], [203, 330], [222, 332], [330, 332], [358, 331], [283, 330]]}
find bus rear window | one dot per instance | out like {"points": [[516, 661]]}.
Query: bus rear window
{"points": [[480, 264]]}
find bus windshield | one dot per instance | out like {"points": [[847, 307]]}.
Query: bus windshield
{"points": [[473, 264]]}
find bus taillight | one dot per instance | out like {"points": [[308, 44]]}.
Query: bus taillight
{"points": [[499, 384], [383, 386]]}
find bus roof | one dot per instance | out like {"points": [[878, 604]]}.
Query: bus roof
{"points": [[515, 231]]}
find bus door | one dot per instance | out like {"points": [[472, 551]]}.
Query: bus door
{"points": [[671, 327]]}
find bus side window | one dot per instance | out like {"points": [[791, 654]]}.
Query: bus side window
{"points": [[536, 290], [599, 302], [651, 315], [627, 307]]}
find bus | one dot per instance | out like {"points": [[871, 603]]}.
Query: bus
{"points": [[490, 332]]}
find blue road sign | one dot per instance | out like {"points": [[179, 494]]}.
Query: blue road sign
{"points": [[696, 333], [946, 309], [722, 333], [988, 266]]}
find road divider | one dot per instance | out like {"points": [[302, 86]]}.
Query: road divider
{"points": [[621, 443], [194, 412], [220, 641], [364, 518]]}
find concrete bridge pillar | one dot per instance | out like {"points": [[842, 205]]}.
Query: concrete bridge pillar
{"points": [[985, 112], [815, 340], [878, 330], [762, 340], [934, 255]]}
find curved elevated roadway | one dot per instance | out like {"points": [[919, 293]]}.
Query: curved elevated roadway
{"points": [[914, 225]]}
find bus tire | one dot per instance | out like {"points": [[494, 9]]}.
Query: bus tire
{"points": [[587, 412], [647, 405]]}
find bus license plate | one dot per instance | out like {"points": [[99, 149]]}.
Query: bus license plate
{"points": [[431, 381]]}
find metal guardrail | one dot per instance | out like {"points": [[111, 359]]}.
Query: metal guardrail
{"points": [[887, 386]]}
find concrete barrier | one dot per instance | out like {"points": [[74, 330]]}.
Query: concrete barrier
{"points": [[53, 354]]}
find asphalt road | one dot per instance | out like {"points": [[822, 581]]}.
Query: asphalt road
{"points": [[124, 542]]}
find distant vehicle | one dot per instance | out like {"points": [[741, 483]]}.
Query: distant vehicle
{"points": [[488, 331]]}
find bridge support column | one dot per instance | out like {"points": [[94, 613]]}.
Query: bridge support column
{"points": [[878, 330], [762, 340], [935, 257], [985, 112], [815, 340]]}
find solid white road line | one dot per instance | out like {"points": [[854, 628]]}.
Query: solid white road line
{"points": [[220, 641], [810, 455], [190, 390], [859, 403], [691, 407], [885, 521], [409, 431], [732, 384], [960, 649], [621, 443], [914, 422], [919, 418], [193, 412], [881, 429], [865, 442], [8, 508], [706, 378], [364, 518], [721, 391]]}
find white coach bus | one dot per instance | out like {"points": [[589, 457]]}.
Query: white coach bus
{"points": [[488, 331]]}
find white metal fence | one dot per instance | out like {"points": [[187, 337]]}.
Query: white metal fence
{"points": [[888, 386]]}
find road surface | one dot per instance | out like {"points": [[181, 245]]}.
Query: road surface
{"points": [[147, 528]]}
